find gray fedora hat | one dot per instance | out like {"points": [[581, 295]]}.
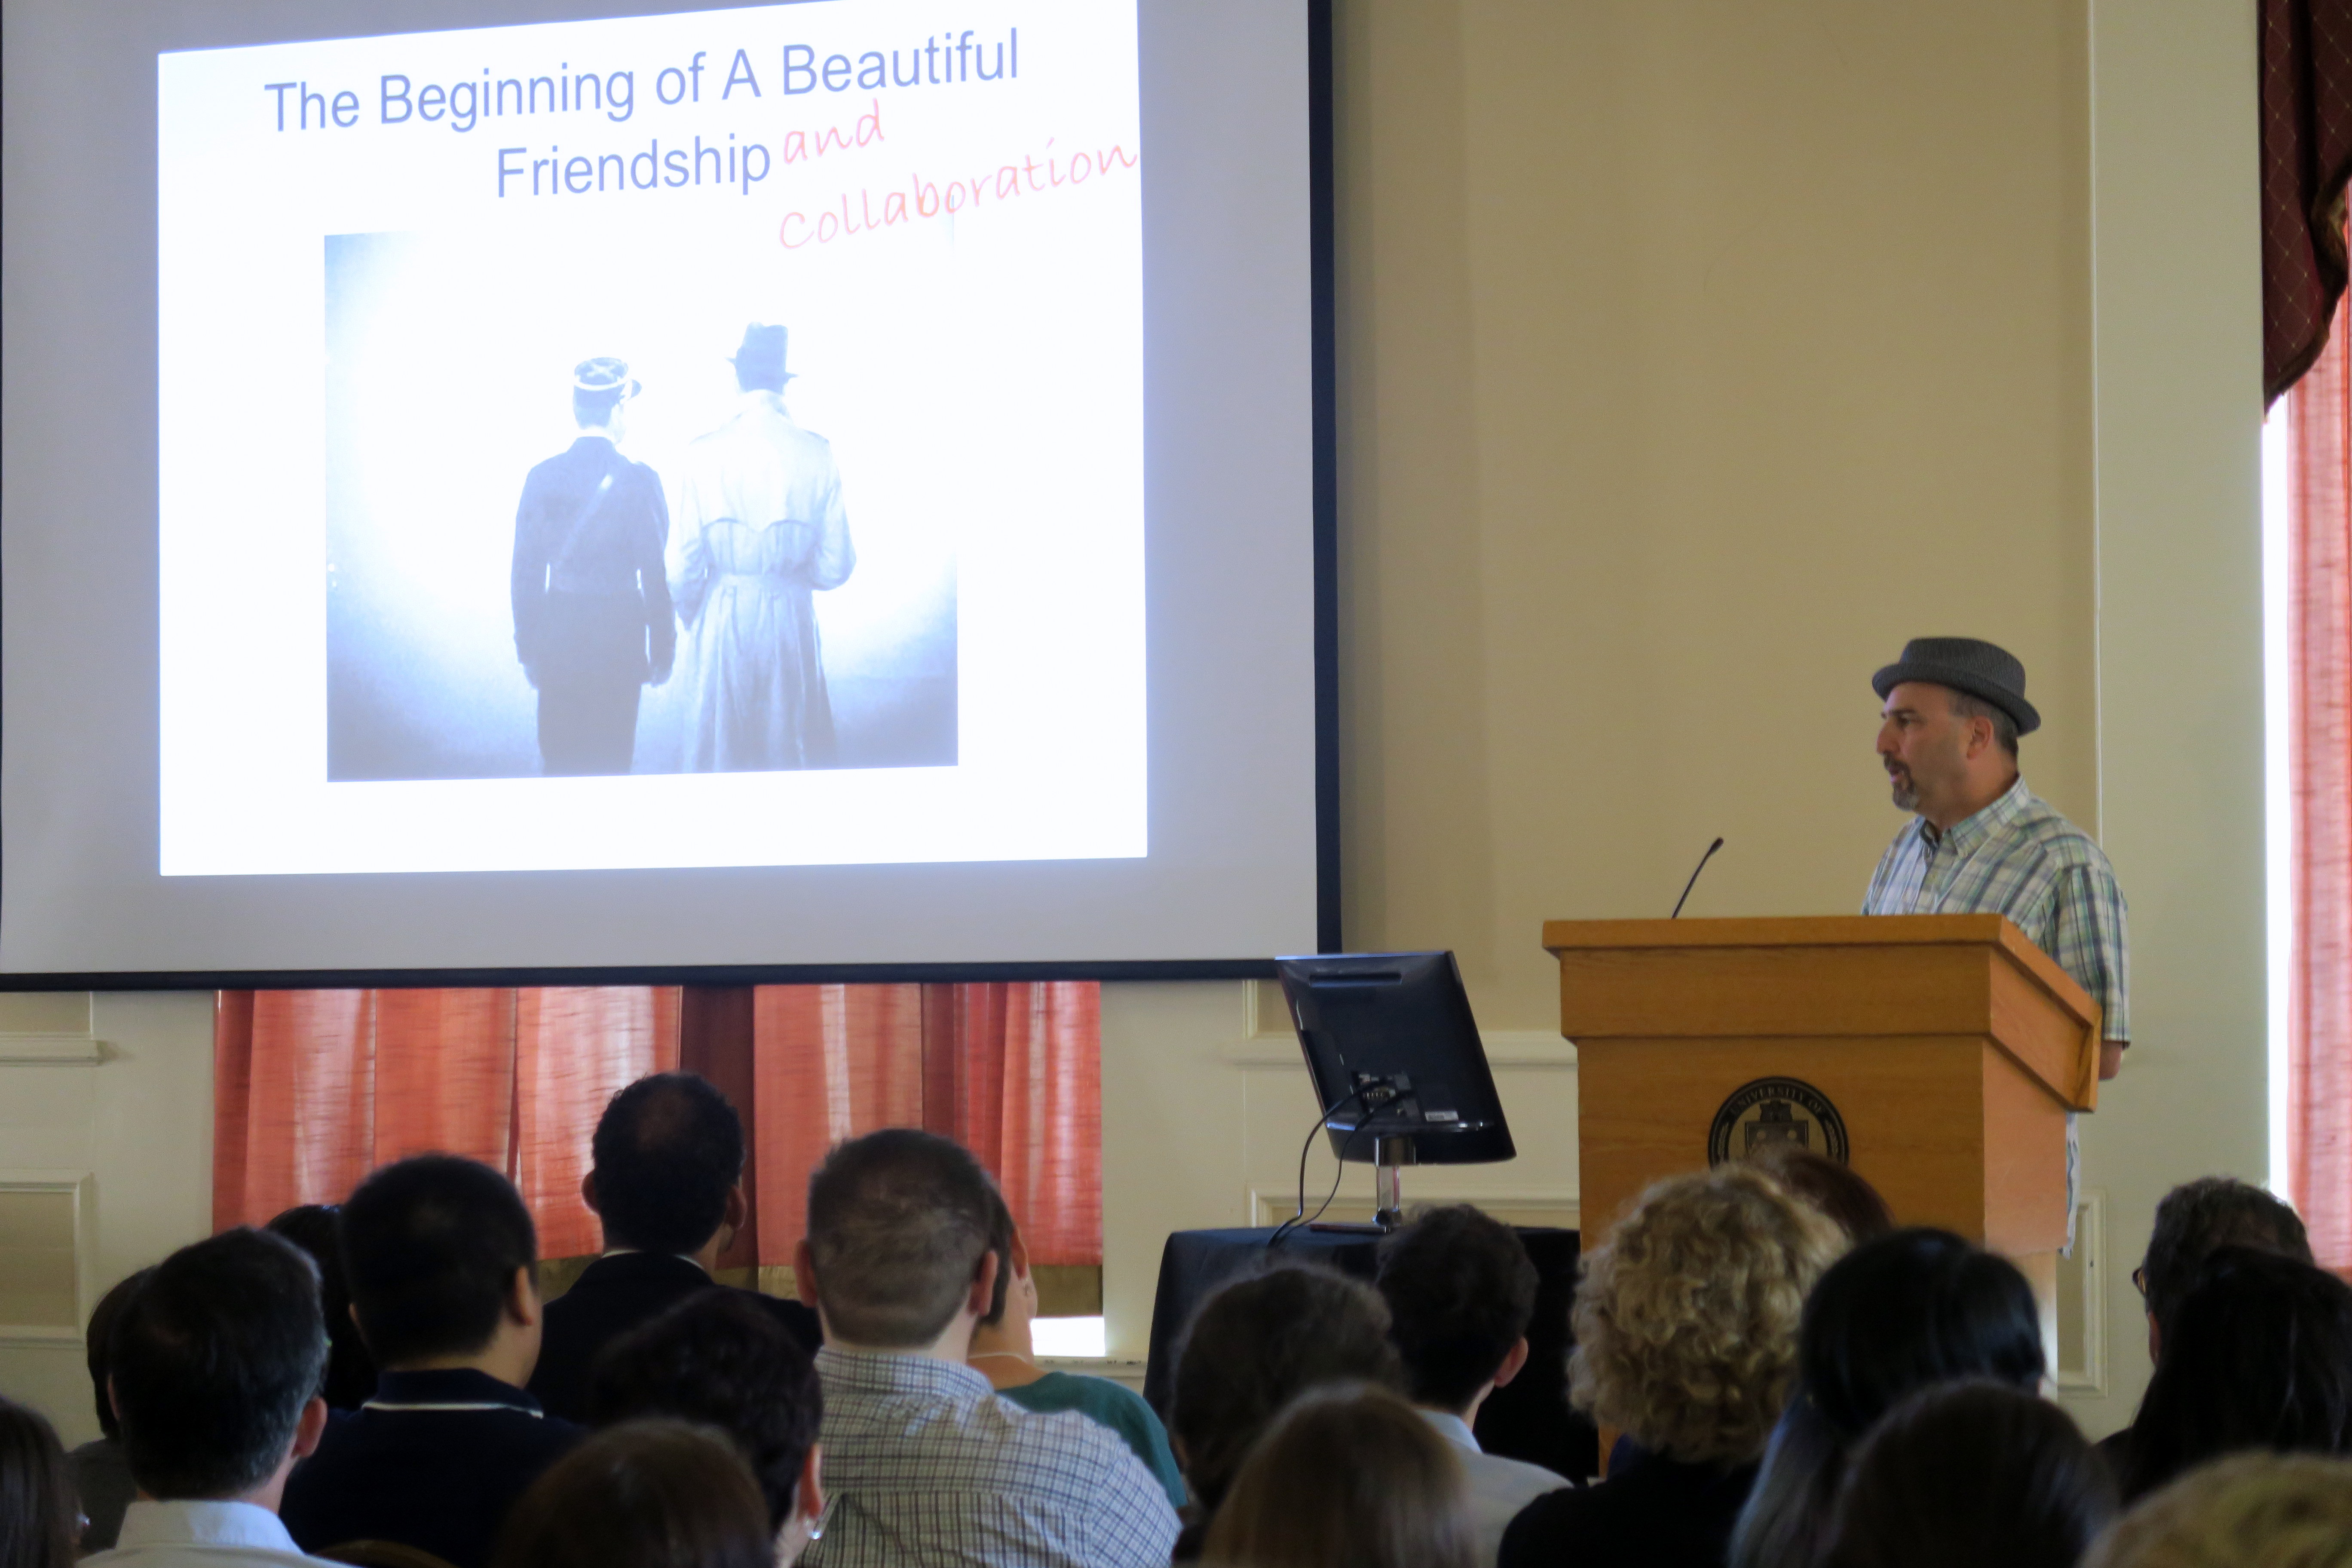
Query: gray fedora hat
{"points": [[1964, 664]]}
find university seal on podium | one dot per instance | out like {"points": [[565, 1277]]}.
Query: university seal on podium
{"points": [[1776, 1110]]}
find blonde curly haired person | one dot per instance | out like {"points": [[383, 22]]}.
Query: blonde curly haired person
{"points": [[2281, 1510], [1685, 1324]]}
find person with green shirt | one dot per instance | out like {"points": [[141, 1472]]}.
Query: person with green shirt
{"points": [[1001, 1352]]}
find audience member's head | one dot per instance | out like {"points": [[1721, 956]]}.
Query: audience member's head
{"points": [[2194, 1218], [644, 1494], [442, 1260], [722, 1359], [1832, 1186], [2278, 1511], [1970, 1475], [96, 1343], [897, 1246], [318, 1229], [1905, 1312], [1460, 1288], [1256, 1344], [666, 1158], [1347, 1474], [2258, 1354], [218, 1363], [39, 1521], [1686, 1315]]}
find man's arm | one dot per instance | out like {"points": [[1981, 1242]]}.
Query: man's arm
{"points": [[653, 580], [527, 583], [1132, 1522], [2091, 943]]}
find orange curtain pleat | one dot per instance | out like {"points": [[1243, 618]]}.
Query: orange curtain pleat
{"points": [[575, 1048], [2319, 1004], [445, 1075], [1012, 1071], [314, 1088]]}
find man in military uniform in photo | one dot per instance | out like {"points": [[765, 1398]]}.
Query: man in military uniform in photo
{"points": [[592, 607]]}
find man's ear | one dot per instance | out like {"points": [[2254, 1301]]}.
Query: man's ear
{"points": [[311, 1429], [1514, 1362], [804, 1274], [523, 1306], [808, 1491], [1020, 1255], [739, 1209], [353, 1311], [588, 1193], [983, 1284]]}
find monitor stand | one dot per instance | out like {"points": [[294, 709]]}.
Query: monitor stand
{"points": [[1389, 1156]]}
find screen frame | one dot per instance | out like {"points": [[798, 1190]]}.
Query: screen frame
{"points": [[1317, 16]]}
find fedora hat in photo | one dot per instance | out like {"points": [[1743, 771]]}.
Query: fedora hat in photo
{"points": [[762, 357], [1965, 664]]}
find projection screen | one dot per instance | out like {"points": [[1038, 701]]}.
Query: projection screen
{"points": [[552, 488]]}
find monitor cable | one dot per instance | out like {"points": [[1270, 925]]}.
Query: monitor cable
{"points": [[1302, 1218]]}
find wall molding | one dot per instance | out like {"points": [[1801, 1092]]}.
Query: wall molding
{"points": [[51, 1050], [2082, 1302], [1519, 1048]]}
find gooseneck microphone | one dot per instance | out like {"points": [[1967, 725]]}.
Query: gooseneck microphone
{"points": [[1694, 871]]}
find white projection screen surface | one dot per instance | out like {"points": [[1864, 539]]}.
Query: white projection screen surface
{"points": [[582, 488]]}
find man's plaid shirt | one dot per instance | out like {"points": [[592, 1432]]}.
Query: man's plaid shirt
{"points": [[2019, 858], [925, 1466]]}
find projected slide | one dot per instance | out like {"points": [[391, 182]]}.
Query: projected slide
{"points": [[706, 440]]}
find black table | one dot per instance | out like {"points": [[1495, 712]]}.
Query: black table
{"points": [[1527, 1419]]}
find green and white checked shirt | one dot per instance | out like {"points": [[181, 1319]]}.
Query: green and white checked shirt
{"points": [[2019, 858]]}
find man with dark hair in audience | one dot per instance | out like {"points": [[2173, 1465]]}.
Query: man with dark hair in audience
{"points": [[721, 1360], [101, 1475], [1255, 1345], [666, 1178], [1461, 1290], [443, 1265], [214, 1368], [2191, 1221], [926, 1466]]}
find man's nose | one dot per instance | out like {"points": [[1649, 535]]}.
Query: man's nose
{"points": [[1886, 740]]}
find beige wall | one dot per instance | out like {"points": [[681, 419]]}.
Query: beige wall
{"points": [[1693, 356], [132, 1114]]}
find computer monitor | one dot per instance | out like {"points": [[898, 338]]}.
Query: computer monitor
{"points": [[1395, 1054]]}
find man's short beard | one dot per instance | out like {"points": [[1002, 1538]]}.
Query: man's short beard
{"points": [[1906, 793]]}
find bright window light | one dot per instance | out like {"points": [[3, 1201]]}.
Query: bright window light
{"points": [[1068, 1339], [2278, 817]]}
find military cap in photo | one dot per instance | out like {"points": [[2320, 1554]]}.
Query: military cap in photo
{"points": [[605, 374], [1965, 664]]}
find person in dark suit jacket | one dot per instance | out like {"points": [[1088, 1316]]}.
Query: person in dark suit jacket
{"points": [[665, 1178], [442, 1263], [592, 607]]}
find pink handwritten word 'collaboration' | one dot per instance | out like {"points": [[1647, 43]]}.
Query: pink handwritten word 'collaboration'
{"points": [[921, 198]]}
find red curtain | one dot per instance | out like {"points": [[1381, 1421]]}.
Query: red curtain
{"points": [[2319, 1013], [2306, 154], [314, 1088]]}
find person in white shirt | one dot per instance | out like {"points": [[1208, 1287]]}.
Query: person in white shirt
{"points": [[215, 1372], [760, 531], [1461, 1289]]}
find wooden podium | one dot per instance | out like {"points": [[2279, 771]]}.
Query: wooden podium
{"points": [[1938, 1055]]}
